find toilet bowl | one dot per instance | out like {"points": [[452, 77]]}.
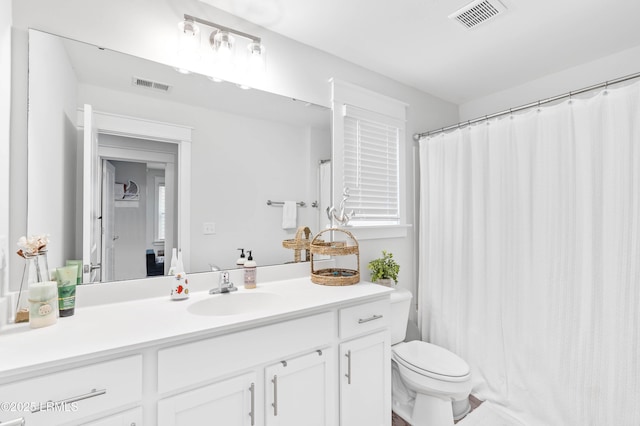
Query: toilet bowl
{"points": [[430, 385]]}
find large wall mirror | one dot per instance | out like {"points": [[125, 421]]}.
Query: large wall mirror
{"points": [[247, 147]]}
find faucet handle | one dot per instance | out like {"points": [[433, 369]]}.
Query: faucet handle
{"points": [[224, 277]]}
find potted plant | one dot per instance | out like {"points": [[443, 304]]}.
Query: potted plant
{"points": [[384, 270]]}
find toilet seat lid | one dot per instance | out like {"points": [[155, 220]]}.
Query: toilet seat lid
{"points": [[431, 359]]}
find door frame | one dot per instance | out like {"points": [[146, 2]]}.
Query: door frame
{"points": [[107, 265], [133, 127]]}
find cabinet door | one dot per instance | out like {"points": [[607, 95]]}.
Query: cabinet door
{"points": [[126, 418], [230, 403], [365, 381], [297, 390]]}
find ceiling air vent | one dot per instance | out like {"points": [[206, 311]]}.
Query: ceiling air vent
{"points": [[477, 12], [150, 84]]}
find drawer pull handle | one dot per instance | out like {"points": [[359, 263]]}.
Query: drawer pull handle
{"points": [[15, 422], [73, 399], [275, 395], [348, 375], [373, 318], [252, 389]]}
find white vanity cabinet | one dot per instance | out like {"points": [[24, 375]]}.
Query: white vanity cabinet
{"points": [[365, 365], [295, 352], [365, 381], [299, 391], [320, 359], [230, 402], [127, 418], [74, 394], [294, 391]]}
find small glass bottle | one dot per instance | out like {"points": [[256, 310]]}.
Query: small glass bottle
{"points": [[36, 269]]}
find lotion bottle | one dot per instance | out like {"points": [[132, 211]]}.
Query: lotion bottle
{"points": [[250, 272], [241, 259]]}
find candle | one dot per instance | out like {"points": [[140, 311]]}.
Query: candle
{"points": [[43, 297]]}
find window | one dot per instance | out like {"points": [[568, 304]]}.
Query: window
{"points": [[368, 157], [371, 168], [160, 209]]}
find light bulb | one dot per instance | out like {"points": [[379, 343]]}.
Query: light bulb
{"points": [[223, 44], [256, 56], [223, 51], [188, 45]]}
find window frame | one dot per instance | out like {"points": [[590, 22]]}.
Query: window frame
{"points": [[351, 99], [159, 181]]}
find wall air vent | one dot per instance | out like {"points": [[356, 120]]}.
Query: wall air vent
{"points": [[150, 84], [477, 12]]}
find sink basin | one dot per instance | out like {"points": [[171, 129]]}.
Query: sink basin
{"points": [[234, 304]]}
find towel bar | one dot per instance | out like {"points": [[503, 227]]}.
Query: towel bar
{"points": [[280, 203]]}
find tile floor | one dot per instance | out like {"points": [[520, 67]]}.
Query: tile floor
{"points": [[398, 421]]}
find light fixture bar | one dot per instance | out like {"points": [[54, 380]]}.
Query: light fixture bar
{"points": [[222, 28]]}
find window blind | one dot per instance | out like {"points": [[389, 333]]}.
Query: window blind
{"points": [[371, 163]]}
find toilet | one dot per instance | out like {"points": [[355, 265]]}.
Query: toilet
{"points": [[430, 385]]}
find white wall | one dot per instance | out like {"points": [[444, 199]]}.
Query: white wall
{"points": [[595, 72], [52, 127], [294, 70], [5, 107], [237, 164]]}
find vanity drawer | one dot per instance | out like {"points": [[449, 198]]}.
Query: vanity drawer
{"points": [[364, 318], [86, 390], [203, 360]]}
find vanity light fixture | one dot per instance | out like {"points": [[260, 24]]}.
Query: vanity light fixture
{"points": [[230, 58]]}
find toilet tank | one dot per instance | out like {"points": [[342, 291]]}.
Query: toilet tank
{"points": [[400, 304]]}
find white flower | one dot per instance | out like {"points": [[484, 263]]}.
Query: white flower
{"points": [[32, 245]]}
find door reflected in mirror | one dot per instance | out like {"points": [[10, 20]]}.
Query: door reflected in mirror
{"points": [[246, 147]]}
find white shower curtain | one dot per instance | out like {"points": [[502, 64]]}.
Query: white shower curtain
{"points": [[530, 258]]}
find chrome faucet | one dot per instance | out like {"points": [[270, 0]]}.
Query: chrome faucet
{"points": [[224, 285]]}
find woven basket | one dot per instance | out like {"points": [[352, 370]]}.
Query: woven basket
{"points": [[299, 243], [335, 276]]}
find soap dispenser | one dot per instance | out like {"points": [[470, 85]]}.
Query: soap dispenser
{"points": [[174, 262], [241, 259], [250, 272], [180, 286]]}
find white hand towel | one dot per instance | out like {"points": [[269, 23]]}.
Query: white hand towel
{"points": [[289, 215]]}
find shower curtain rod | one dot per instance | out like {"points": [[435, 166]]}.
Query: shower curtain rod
{"points": [[418, 136]]}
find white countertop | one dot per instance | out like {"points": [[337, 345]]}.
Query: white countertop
{"points": [[117, 327]]}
